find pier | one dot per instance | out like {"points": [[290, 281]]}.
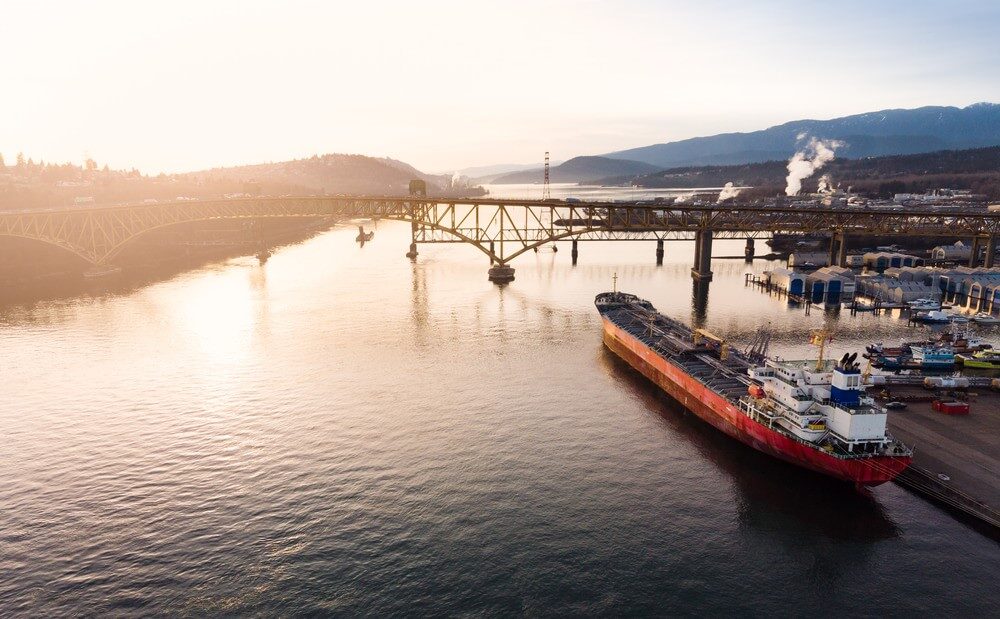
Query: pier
{"points": [[955, 461]]}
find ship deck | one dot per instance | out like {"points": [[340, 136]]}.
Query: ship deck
{"points": [[672, 340]]}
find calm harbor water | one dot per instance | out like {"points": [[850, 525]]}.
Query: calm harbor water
{"points": [[345, 432]]}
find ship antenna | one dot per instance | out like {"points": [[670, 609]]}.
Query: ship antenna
{"points": [[614, 282]]}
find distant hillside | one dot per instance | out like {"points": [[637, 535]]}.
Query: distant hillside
{"points": [[333, 173], [28, 184], [974, 169], [888, 132], [486, 173], [579, 169]]}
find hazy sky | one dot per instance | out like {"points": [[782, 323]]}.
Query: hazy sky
{"points": [[185, 85]]}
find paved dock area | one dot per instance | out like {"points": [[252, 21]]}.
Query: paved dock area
{"points": [[956, 457]]}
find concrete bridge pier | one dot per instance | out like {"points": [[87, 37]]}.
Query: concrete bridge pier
{"points": [[991, 252], [748, 251], [838, 249], [574, 253], [974, 255], [412, 254], [702, 270], [659, 252], [500, 274]]}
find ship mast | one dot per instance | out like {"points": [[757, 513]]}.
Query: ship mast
{"points": [[819, 337]]}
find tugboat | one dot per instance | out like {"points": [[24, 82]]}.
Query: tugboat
{"points": [[933, 357]]}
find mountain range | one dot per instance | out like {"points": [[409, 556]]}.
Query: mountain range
{"points": [[886, 132], [874, 134]]}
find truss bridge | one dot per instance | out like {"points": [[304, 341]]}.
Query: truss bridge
{"points": [[504, 229]]}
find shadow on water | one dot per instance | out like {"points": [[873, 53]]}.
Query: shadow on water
{"points": [[774, 494]]}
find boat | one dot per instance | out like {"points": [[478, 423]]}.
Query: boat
{"points": [[933, 316], [924, 305], [982, 360], [958, 318], [933, 357], [982, 318], [813, 414]]}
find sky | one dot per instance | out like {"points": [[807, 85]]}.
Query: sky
{"points": [[179, 86]]}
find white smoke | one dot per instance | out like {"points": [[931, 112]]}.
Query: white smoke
{"points": [[728, 192], [803, 164], [825, 184]]}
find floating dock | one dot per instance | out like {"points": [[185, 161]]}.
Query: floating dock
{"points": [[955, 457]]}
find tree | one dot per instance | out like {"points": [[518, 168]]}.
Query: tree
{"points": [[20, 160], [2, 163]]}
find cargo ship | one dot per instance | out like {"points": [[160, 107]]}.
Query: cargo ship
{"points": [[814, 414]]}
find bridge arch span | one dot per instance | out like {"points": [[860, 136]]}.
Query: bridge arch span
{"points": [[66, 248]]}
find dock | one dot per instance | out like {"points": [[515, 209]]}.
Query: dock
{"points": [[956, 462]]}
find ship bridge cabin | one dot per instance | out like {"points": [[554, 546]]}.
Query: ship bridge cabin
{"points": [[832, 392]]}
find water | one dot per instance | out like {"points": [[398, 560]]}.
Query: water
{"points": [[344, 432]]}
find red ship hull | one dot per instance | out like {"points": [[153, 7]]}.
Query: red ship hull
{"points": [[725, 416]]}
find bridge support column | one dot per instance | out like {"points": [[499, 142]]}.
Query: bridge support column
{"points": [[991, 252], [500, 274], [748, 251], [842, 251], [832, 258], [574, 253], [412, 254], [974, 256], [702, 270], [659, 252]]}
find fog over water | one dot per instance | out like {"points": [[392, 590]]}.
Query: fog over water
{"points": [[344, 431]]}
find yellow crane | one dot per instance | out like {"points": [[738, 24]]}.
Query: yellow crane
{"points": [[702, 334]]}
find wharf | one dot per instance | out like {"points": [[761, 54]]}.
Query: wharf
{"points": [[955, 457]]}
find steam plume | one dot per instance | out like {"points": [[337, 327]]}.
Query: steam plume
{"points": [[728, 192], [825, 184], [803, 164]]}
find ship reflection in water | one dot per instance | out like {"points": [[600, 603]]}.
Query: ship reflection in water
{"points": [[774, 495], [342, 431]]}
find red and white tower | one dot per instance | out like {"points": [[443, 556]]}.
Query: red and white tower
{"points": [[545, 182]]}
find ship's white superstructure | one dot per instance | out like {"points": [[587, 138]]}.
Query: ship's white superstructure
{"points": [[821, 403]]}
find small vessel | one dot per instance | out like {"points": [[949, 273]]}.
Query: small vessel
{"points": [[958, 318], [933, 357], [984, 360], [924, 305], [363, 236], [933, 316], [814, 414], [982, 318]]}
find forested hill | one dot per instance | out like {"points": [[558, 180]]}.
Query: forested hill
{"points": [[975, 169], [26, 184]]}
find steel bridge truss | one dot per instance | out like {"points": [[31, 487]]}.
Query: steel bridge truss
{"points": [[502, 229]]}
